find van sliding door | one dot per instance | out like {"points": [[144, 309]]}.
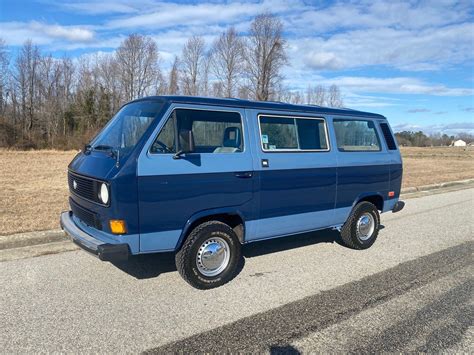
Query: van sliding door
{"points": [[296, 168]]}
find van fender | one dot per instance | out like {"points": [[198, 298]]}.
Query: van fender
{"points": [[364, 195], [231, 210]]}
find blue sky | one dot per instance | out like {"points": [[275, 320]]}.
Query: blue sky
{"points": [[412, 61]]}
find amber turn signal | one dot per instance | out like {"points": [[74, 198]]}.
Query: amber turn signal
{"points": [[391, 194], [117, 226]]}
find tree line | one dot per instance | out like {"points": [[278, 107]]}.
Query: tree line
{"points": [[420, 139], [48, 102]]}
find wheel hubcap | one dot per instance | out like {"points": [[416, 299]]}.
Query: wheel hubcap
{"points": [[365, 226], [213, 256]]}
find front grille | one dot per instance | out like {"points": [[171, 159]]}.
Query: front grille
{"points": [[84, 187], [86, 216]]}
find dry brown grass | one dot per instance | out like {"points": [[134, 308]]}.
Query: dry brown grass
{"points": [[33, 189], [33, 185], [424, 166]]}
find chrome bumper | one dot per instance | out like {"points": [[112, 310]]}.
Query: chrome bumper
{"points": [[104, 251]]}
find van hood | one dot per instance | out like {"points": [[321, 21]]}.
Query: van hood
{"points": [[99, 165]]}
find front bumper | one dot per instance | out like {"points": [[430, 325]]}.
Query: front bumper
{"points": [[104, 251]]}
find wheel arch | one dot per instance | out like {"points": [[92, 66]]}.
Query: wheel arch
{"points": [[375, 198], [229, 216]]}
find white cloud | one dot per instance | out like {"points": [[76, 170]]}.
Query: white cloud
{"points": [[69, 33], [396, 85], [103, 7], [170, 15], [16, 33], [403, 15], [427, 49], [418, 110], [408, 36], [323, 60], [364, 101]]}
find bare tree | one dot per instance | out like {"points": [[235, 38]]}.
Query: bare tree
{"points": [[4, 61], [137, 59], [192, 64], [227, 60], [49, 77], [218, 89], [27, 78], [67, 97], [173, 79], [265, 55], [204, 88], [334, 97], [316, 95], [108, 71]]}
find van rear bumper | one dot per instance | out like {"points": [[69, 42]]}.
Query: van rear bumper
{"points": [[104, 251], [398, 206]]}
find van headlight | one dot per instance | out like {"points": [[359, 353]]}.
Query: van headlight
{"points": [[104, 194]]}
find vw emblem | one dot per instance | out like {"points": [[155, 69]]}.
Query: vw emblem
{"points": [[74, 184]]}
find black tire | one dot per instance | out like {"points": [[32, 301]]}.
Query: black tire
{"points": [[349, 234], [186, 256]]}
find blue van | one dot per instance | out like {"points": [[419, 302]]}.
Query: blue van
{"points": [[202, 176]]}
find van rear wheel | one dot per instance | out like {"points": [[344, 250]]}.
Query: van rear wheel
{"points": [[210, 255], [362, 227]]}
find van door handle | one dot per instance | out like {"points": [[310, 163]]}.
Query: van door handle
{"points": [[244, 174]]}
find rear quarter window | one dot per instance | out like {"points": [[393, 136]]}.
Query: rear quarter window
{"points": [[391, 145], [356, 135]]}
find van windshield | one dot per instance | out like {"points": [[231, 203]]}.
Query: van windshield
{"points": [[126, 128]]}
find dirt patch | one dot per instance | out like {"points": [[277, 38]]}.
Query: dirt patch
{"points": [[33, 184]]}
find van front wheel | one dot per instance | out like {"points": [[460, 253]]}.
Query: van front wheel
{"points": [[210, 255], [362, 227]]}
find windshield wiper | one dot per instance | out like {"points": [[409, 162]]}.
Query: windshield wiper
{"points": [[114, 153], [103, 147]]}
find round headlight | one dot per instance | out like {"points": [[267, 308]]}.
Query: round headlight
{"points": [[104, 193]]}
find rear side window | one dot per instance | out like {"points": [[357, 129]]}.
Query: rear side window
{"points": [[356, 135], [212, 131], [293, 133], [388, 136]]}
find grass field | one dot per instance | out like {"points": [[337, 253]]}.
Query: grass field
{"points": [[33, 185]]}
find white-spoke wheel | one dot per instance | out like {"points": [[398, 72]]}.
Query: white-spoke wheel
{"points": [[213, 256]]}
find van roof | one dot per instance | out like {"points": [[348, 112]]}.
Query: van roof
{"points": [[264, 105]]}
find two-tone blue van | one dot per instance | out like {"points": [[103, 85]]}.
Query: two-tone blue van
{"points": [[202, 176]]}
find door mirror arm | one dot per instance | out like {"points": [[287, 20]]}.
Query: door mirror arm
{"points": [[179, 154]]}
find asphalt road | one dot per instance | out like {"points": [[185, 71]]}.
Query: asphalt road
{"points": [[412, 291]]}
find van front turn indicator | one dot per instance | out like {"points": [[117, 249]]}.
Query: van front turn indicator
{"points": [[117, 226]]}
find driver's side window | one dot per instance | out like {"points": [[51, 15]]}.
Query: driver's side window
{"points": [[164, 143]]}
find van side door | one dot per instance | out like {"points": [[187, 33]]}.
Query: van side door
{"points": [[216, 176], [296, 168]]}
